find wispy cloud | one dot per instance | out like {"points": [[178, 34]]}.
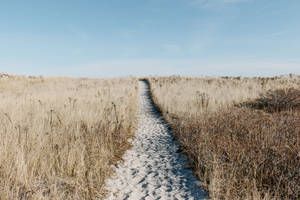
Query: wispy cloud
{"points": [[171, 48], [78, 33], [187, 67], [216, 4], [236, 1], [275, 34], [146, 67]]}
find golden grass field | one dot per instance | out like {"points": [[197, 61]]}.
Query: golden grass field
{"points": [[60, 136], [241, 135]]}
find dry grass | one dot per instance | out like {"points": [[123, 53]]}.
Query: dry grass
{"points": [[60, 136], [196, 95], [238, 152], [276, 101]]}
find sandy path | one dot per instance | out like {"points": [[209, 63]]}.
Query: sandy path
{"points": [[152, 168]]}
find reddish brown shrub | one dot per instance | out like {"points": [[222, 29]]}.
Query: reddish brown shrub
{"points": [[244, 153], [276, 100]]}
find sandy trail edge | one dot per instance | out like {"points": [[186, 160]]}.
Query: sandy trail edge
{"points": [[153, 169]]}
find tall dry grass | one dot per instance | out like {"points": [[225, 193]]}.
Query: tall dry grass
{"points": [[60, 136], [194, 95], [241, 135]]}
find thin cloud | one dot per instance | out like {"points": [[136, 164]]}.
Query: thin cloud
{"points": [[146, 67], [171, 48], [187, 67], [275, 34], [216, 4], [235, 1], [79, 33]]}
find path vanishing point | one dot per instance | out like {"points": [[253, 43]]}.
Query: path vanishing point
{"points": [[153, 168]]}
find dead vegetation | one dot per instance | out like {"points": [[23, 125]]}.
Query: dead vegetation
{"points": [[249, 151], [60, 136], [276, 100]]}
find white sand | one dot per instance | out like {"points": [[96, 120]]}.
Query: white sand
{"points": [[152, 168]]}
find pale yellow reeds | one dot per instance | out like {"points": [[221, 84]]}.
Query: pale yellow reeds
{"points": [[60, 136], [194, 95]]}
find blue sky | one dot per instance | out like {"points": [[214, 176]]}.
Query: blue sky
{"points": [[109, 38]]}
